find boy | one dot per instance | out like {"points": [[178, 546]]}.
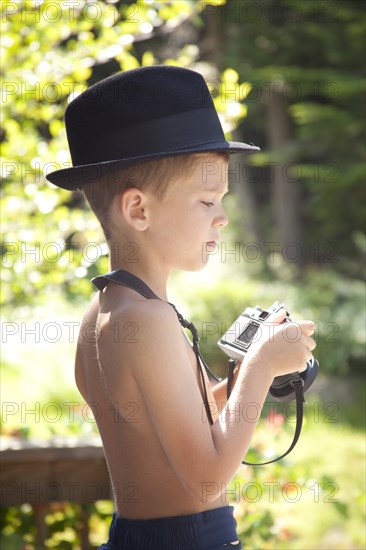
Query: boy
{"points": [[143, 144]]}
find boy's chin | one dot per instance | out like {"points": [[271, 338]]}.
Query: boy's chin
{"points": [[195, 266]]}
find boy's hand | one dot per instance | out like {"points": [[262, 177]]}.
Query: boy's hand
{"points": [[283, 347]]}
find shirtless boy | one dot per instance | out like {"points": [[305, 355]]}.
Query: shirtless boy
{"points": [[143, 144]]}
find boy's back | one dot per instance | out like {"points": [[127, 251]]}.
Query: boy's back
{"points": [[144, 481]]}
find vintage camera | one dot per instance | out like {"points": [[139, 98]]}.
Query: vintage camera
{"points": [[237, 340]]}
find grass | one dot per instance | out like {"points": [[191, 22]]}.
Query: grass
{"points": [[318, 493]]}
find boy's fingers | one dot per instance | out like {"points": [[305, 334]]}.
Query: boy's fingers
{"points": [[309, 342], [277, 317], [307, 327]]}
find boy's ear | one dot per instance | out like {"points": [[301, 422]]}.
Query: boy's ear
{"points": [[133, 208]]}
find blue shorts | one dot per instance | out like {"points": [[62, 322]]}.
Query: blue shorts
{"points": [[211, 530]]}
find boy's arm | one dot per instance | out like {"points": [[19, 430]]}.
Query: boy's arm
{"points": [[159, 361], [220, 389]]}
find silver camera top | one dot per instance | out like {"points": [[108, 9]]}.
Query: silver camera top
{"points": [[243, 332]]}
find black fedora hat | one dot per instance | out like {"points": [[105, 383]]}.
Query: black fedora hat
{"points": [[137, 115]]}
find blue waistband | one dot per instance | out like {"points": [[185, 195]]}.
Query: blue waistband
{"points": [[209, 530]]}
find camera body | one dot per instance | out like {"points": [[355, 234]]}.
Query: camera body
{"points": [[243, 332]]}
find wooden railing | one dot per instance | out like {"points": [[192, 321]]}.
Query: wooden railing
{"points": [[63, 470]]}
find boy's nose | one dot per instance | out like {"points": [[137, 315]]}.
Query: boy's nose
{"points": [[221, 220]]}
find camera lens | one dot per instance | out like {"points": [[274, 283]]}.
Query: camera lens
{"points": [[282, 389]]}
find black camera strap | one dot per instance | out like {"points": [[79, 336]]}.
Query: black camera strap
{"points": [[297, 383], [131, 281]]}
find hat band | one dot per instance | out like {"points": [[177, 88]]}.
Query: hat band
{"points": [[161, 135]]}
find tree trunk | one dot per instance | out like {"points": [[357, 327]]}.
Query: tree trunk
{"points": [[249, 224], [286, 191]]}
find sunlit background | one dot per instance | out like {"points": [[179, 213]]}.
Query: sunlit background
{"points": [[287, 75]]}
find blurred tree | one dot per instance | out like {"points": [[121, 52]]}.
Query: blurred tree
{"points": [[50, 53], [305, 60]]}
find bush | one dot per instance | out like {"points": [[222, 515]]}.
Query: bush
{"points": [[333, 302]]}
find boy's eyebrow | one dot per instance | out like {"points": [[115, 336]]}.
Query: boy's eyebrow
{"points": [[218, 190]]}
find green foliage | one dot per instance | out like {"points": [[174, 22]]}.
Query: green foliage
{"points": [[311, 55], [324, 296], [50, 53], [64, 526], [299, 502], [52, 245]]}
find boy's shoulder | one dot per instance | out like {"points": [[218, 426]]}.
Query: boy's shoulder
{"points": [[149, 318], [144, 318], [127, 336], [123, 323], [104, 311]]}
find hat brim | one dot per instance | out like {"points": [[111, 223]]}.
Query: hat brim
{"points": [[75, 177]]}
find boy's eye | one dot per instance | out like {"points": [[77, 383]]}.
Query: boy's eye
{"points": [[206, 203]]}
